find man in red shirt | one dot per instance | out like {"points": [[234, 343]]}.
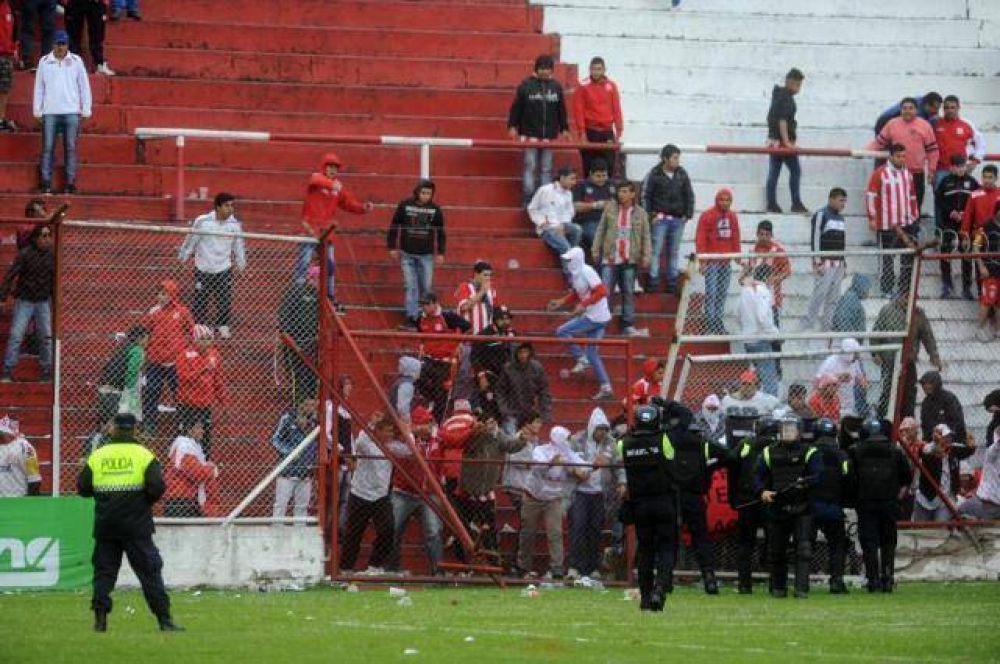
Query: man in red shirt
{"points": [[979, 206], [169, 323], [718, 232], [437, 370], [650, 384], [597, 114], [199, 384], [893, 214], [953, 137], [324, 195]]}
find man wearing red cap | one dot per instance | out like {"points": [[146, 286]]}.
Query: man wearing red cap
{"points": [[324, 194], [199, 373], [169, 323], [748, 395]]}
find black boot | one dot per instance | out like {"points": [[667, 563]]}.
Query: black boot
{"points": [[837, 586], [644, 603], [888, 584], [780, 593], [658, 597], [167, 625], [100, 621], [745, 589], [710, 582]]}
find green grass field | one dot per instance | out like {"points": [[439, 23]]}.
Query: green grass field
{"points": [[921, 622]]}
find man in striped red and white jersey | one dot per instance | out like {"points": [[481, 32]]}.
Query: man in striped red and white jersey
{"points": [[893, 214], [477, 299]]}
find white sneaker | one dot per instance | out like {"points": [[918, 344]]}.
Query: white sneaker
{"points": [[372, 571], [581, 365], [103, 68], [604, 393], [225, 332], [572, 574], [638, 287], [984, 334], [632, 331]]}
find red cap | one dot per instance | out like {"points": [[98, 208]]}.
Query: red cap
{"points": [[420, 415], [748, 376]]}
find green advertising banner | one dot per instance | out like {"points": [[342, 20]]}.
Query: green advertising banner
{"points": [[45, 543]]}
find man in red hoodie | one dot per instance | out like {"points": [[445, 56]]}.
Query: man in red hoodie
{"points": [[324, 195], [8, 50], [649, 385], [597, 114], [169, 323], [199, 373], [718, 233]]}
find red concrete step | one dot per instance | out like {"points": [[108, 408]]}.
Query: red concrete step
{"points": [[324, 69], [497, 17], [335, 39]]}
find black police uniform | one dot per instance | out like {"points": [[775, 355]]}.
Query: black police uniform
{"points": [[124, 479], [692, 472], [751, 517], [779, 468], [827, 505], [881, 470], [652, 507]]}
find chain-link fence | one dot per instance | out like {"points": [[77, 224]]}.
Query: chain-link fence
{"points": [[179, 328]]}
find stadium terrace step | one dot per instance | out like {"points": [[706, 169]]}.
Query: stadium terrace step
{"points": [[429, 42], [946, 9], [324, 69], [436, 15]]}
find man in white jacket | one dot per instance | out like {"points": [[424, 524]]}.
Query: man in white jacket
{"points": [[62, 97], [756, 318], [551, 211], [216, 241], [846, 366]]}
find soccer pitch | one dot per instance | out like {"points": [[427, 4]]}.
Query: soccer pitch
{"points": [[920, 622]]}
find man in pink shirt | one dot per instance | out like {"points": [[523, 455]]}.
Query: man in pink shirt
{"points": [[917, 136]]}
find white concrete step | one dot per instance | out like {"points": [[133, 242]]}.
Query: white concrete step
{"points": [[811, 60], [945, 9], [836, 31]]}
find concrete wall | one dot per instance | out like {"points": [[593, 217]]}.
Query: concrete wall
{"points": [[937, 555], [237, 556]]}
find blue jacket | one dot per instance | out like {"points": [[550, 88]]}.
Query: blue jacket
{"points": [[895, 110], [849, 314], [286, 438]]}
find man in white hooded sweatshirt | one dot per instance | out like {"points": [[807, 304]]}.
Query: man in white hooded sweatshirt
{"points": [[846, 366], [591, 314]]}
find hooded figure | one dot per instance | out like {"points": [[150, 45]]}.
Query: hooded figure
{"points": [[846, 366], [523, 387], [718, 227], [712, 420], [650, 384], [402, 391], [324, 194], [589, 295], [849, 314], [940, 406]]}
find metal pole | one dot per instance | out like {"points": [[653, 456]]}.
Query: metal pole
{"points": [[901, 373], [679, 322], [425, 161], [56, 332], [179, 202]]}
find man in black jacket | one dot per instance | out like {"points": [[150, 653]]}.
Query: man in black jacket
{"points": [[125, 480], [523, 388], [781, 133], [299, 319], [940, 407], [942, 457], [538, 113], [34, 273], [416, 238], [493, 355], [669, 199], [950, 196]]}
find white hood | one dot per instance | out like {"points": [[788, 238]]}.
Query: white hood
{"points": [[574, 260]]}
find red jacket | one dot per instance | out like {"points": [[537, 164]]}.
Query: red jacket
{"points": [[324, 196], [455, 434], [821, 407], [979, 209], [199, 378], [169, 327], [182, 483], [953, 138], [646, 387], [442, 322], [8, 45], [718, 232], [429, 449], [597, 106]]}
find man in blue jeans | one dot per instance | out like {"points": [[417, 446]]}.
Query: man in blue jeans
{"points": [[669, 199], [131, 7], [551, 211], [34, 273], [591, 315], [416, 239], [781, 133], [62, 96]]}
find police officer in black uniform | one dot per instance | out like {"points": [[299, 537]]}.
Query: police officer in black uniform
{"points": [[828, 499], [883, 473], [747, 435], [786, 472], [124, 479], [694, 460], [651, 503]]}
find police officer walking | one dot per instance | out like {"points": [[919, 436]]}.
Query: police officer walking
{"points": [[883, 473], [694, 460], [124, 479], [828, 498], [786, 471], [651, 503], [748, 436]]}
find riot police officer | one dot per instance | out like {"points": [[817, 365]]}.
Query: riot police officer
{"points": [[882, 474], [124, 479], [651, 504], [748, 435], [694, 460], [828, 498], [786, 471]]}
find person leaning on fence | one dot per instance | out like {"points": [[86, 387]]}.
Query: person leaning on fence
{"points": [[591, 315], [892, 318], [849, 314], [416, 238], [170, 324], [32, 280], [940, 406], [893, 214], [493, 355], [950, 198], [296, 479], [756, 319], [942, 458], [216, 242], [828, 234], [439, 366], [299, 319], [718, 232], [987, 240], [985, 504], [192, 480], [19, 471], [199, 383], [523, 389], [749, 395], [622, 247]]}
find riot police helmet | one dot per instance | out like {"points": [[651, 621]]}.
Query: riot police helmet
{"points": [[825, 427], [789, 427], [647, 418], [872, 426]]}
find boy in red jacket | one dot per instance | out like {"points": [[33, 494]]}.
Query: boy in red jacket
{"points": [[199, 373], [718, 233], [324, 195], [169, 323]]}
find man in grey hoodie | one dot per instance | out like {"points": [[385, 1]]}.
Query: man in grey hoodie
{"points": [[849, 314], [402, 390], [523, 388]]}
